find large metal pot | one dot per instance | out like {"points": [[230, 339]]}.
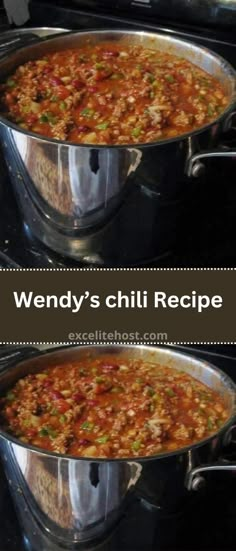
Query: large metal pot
{"points": [[77, 500], [66, 190]]}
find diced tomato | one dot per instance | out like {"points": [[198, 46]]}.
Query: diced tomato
{"points": [[62, 92], [101, 388], [31, 433], [62, 406], [9, 99], [10, 412], [102, 74], [31, 118]]}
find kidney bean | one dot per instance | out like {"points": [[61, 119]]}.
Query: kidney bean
{"points": [[110, 367], [47, 383], [82, 128], [47, 69], [109, 53], [77, 84], [92, 402], [83, 442], [78, 397], [56, 395], [55, 81], [92, 89]]}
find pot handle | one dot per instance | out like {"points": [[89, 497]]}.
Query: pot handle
{"points": [[195, 480], [10, 354], [195, 477], [195, 164]]}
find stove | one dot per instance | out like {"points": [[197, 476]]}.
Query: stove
{"points": [[206, 523], [195, 230]]}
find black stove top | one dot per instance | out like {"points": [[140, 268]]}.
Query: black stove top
{"points": [[198, 230], [206, 524]]}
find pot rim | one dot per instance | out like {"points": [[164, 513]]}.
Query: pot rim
{"points": [[167, 141], [165, 455]]}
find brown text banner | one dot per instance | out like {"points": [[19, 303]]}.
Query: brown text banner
{"points": [[99, 305]]}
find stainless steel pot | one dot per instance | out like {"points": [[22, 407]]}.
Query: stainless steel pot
{"points": [[66, 191], [77, 500]]}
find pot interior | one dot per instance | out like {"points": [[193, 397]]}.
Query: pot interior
{"points": [[202, 57], [201, 370]]}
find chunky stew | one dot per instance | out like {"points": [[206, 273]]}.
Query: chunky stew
{"points": [[108, 407], [111, 94]]}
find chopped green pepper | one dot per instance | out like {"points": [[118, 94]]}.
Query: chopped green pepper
{"points": [[11, 83], [170, 392], [99, 380], [48, 431], [102, 126], [102, 439], [150, 77], [170, 78], [149, 390], [209, 424], [136, 131], [10, 396], [116, 389], [87, 112], [48, 117], [136, 445], [62, 419], [116, 76], [99, 66], [87, 426], [210, 110], [63, 105], [43, 432]]}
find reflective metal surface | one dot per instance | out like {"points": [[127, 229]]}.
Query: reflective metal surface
{"points": [[78, 500], [207, 12], [216, 12], [67, 191]]}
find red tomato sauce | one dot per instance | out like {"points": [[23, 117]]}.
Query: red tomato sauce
{"points": [[111, 408], [111, 94]]}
